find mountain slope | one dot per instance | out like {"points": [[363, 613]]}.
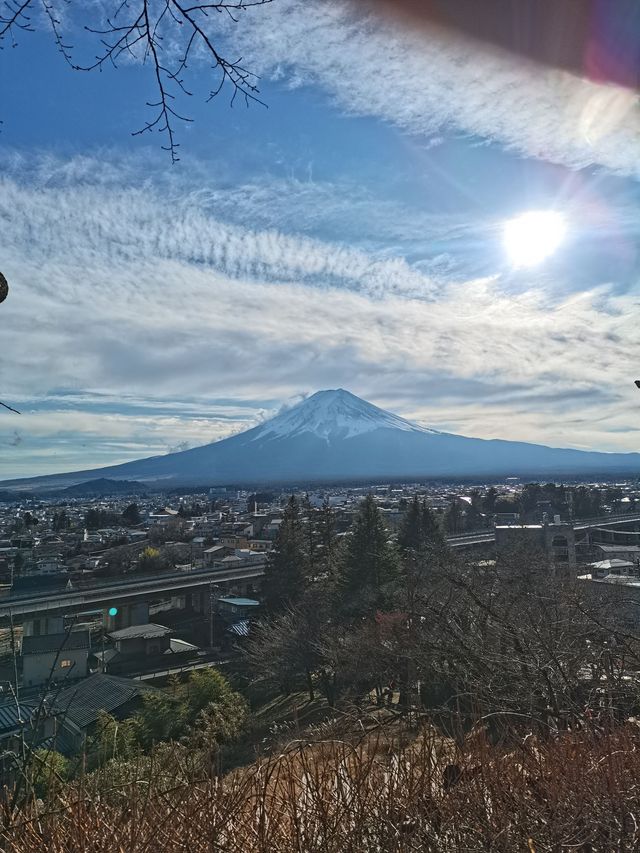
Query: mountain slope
{"points": [[334, 435]]}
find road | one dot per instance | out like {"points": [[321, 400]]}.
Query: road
{"points": [[480, 537], [120, 592], [21, 608]]}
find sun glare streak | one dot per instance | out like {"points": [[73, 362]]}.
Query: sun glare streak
{"points": [[533, 236]]}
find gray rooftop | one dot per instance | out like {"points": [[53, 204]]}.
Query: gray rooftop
{"points": [[140, 632], [631, 549], [83, 702], [12, 718], [612, 564], [48, 643]]}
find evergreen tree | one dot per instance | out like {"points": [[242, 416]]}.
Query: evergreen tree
{"points": [[410, 533], [431, 528], [586, 502], [453, 518], [328, 543], [420, 529], [131, 515], [96, 518], [370, 563], [308, 522], [490, 499], [286, 572], [60, 521]]}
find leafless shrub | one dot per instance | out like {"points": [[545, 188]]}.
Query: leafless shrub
{"points": [[574, 792]]}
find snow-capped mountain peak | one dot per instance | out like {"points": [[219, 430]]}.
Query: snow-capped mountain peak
{"points": [[334, 436], [334, 414]]}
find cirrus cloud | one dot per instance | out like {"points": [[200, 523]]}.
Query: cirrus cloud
{"points": [[135, 324], [430, 82]]}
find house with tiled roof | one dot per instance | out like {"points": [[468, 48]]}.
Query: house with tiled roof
{"points": [[79, 706]]}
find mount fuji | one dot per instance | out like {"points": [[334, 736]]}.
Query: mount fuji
{"points": [[335, 436]]}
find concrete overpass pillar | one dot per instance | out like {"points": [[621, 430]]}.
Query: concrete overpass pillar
{"points": [[203, 600], [139, 613], [43, 625], [136, 613], [196, 600]]}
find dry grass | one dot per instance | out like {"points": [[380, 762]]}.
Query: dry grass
{"points": [[577, 792]]}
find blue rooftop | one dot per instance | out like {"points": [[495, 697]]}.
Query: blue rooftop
{"points": [[240, 602]]}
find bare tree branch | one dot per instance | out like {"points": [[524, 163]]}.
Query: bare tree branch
{"points": [[167, 35]]}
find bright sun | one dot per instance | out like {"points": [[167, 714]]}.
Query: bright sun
{"points": [[533, 236]]}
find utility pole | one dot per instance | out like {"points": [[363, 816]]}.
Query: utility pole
{"points": [[213, 589], [102, 638], [14, 655]]}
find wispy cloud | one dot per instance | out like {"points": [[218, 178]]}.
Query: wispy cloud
{"points": [[425, 84], [54, 440], [138, 323], [123, 226]]}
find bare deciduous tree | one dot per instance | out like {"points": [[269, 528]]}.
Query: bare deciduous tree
{"points": [[165, 35]]}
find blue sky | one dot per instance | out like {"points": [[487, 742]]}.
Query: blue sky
{"points": [[350, 235]]}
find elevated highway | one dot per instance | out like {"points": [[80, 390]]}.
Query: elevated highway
{"points": [[130, 591], [610, 523], [615, 521], [22, 608], [471, 540]]}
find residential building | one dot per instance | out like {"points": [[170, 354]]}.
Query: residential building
{"points": [[54, 657]]}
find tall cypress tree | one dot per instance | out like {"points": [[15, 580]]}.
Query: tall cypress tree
{"points": [[309, 528], [370, 561], [453, 518], [432, 533], [327, 540], [286, 572], [420, 529], [410, 533]]}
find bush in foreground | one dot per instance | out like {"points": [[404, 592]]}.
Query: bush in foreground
{"points": [[575, 792]]}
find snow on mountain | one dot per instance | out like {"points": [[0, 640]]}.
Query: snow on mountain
{"points": [[334, 436], [332, 415]]}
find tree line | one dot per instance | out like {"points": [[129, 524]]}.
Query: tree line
{"points": [[196, 716], [372, 613]]}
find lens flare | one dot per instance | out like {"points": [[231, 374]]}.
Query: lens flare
{"points": [[533, 236]]}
